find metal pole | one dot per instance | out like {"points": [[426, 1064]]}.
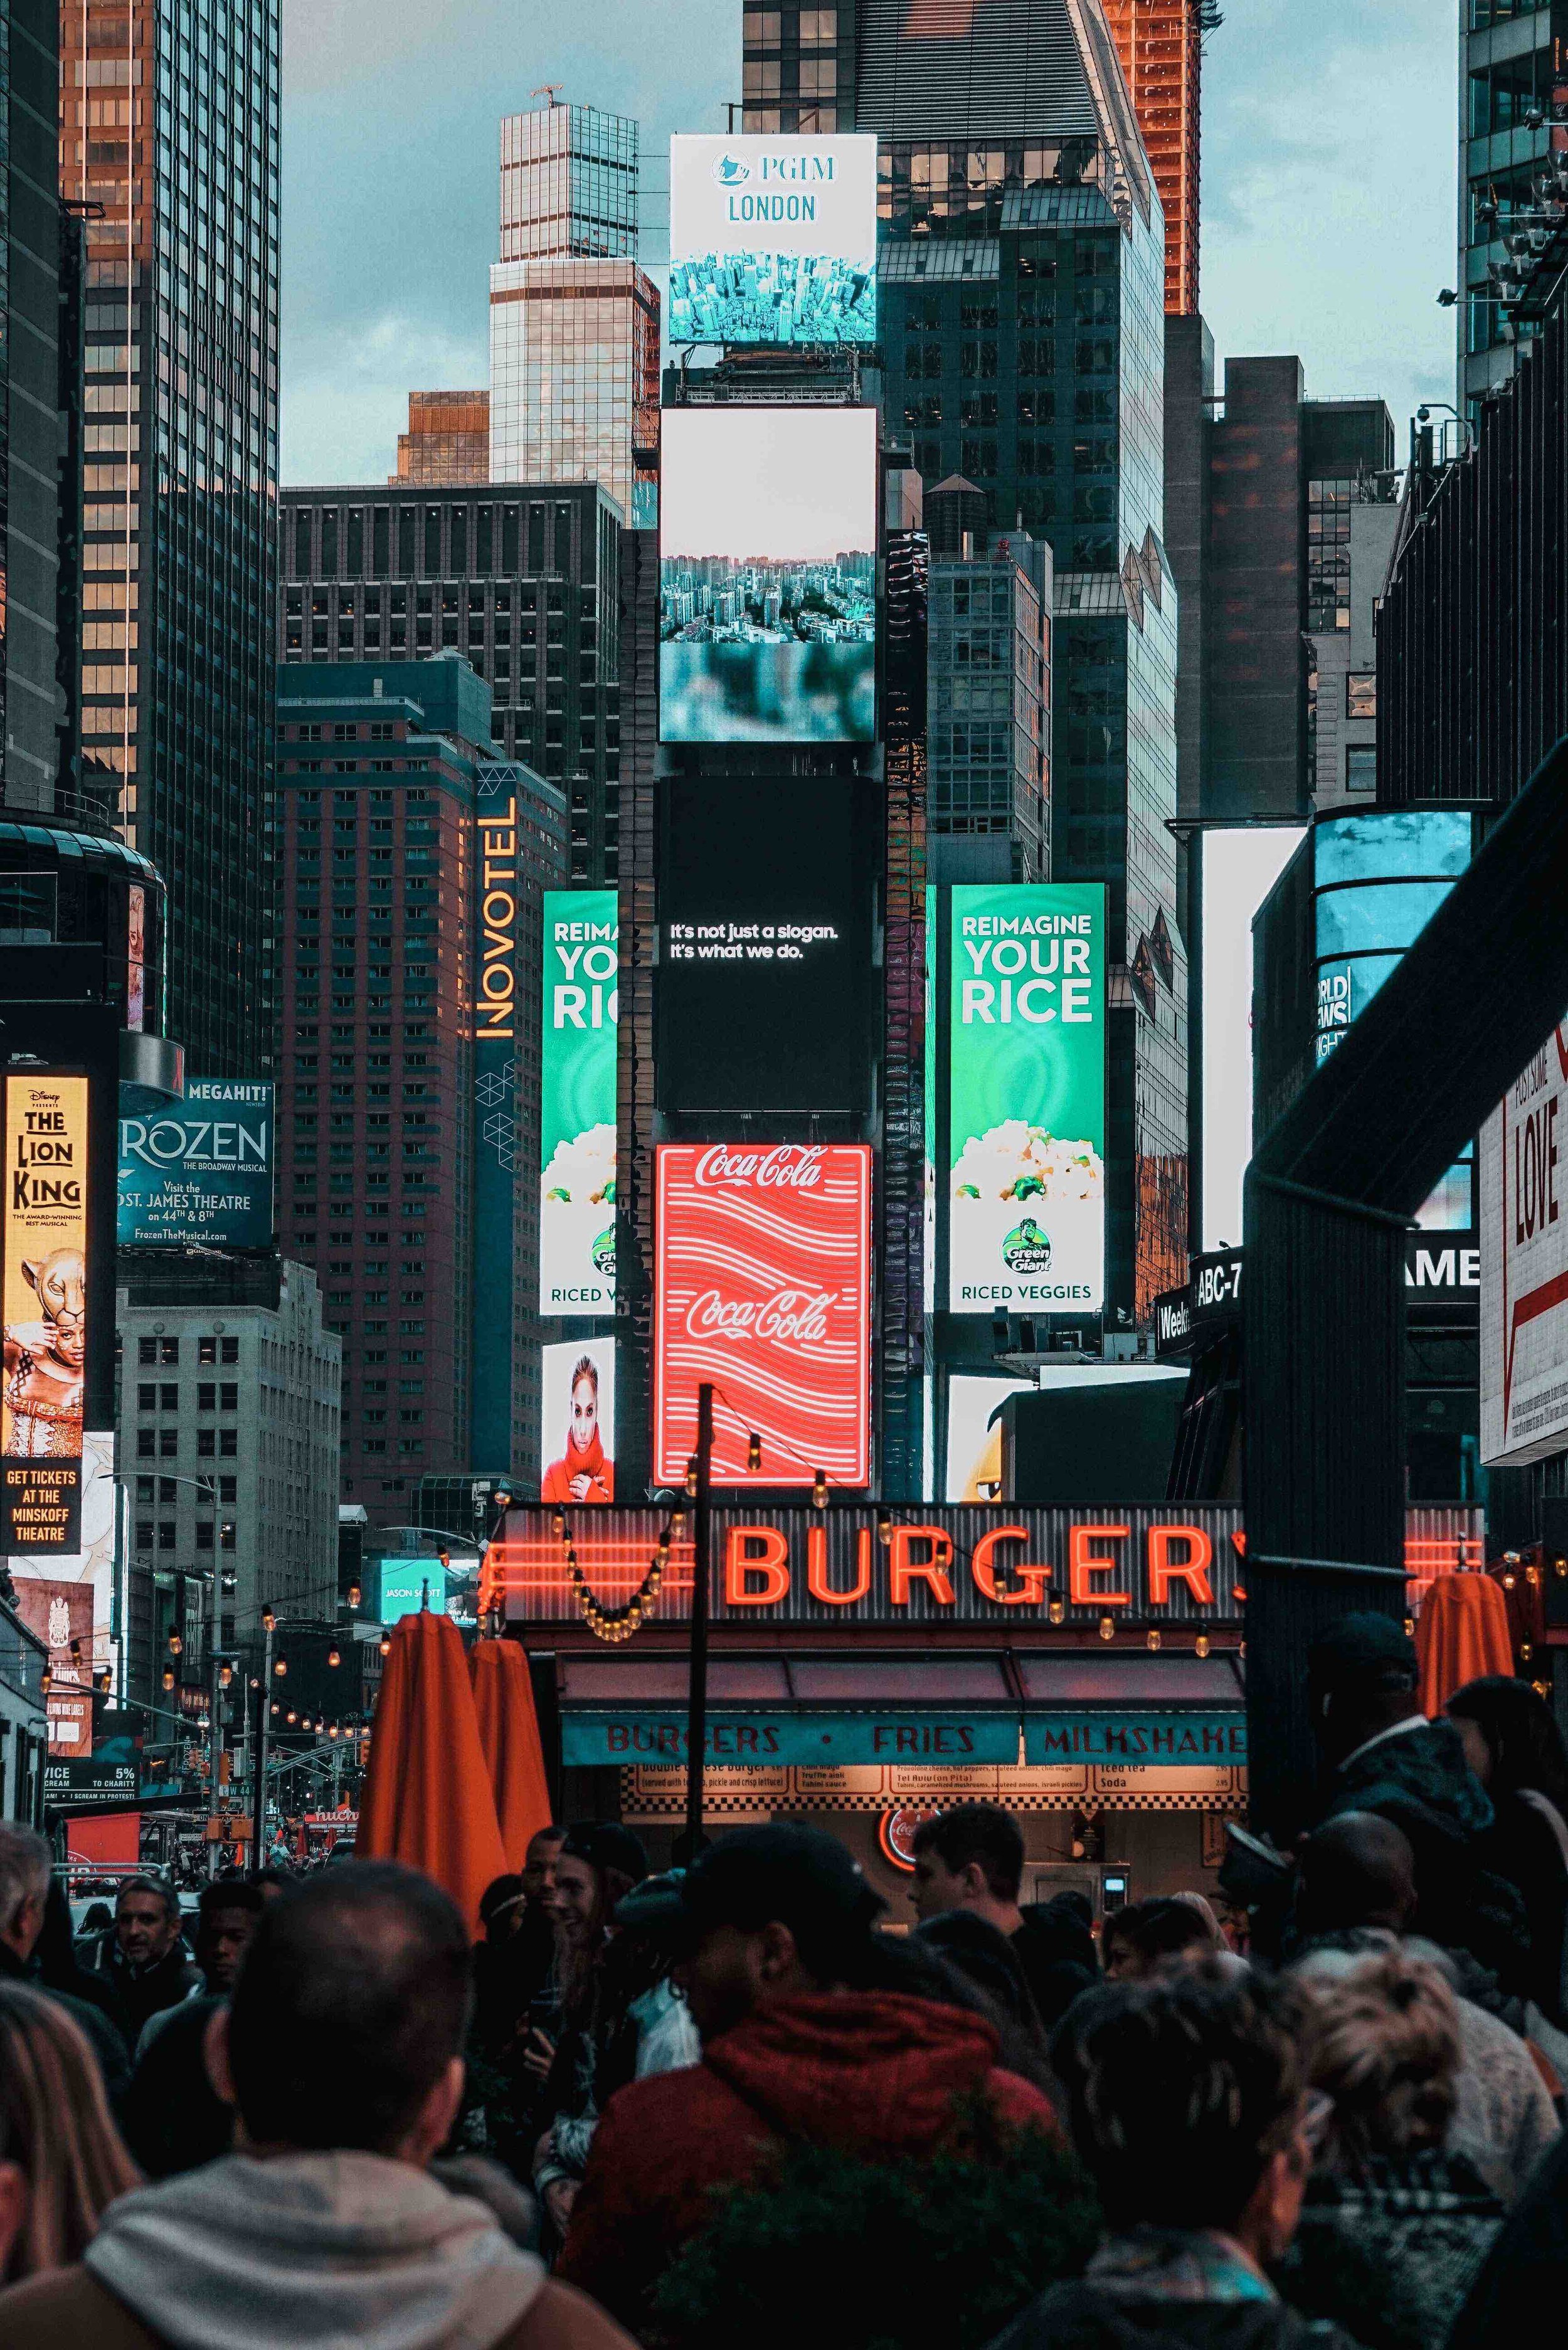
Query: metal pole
{"points": [[697, 1704], [263, 1723], [214, 1723]]}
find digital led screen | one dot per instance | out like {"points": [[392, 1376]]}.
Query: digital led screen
{"points": [[577, 1102], [764, 949], [1026, 1074], [1240, 869], [767, 600], [410, 1583], [576, 1432], [762, 1256], [44, 1304], [773, 240], [197, 1170]]}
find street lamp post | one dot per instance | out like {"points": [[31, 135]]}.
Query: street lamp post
{"points": [[259, 1810], [697, 1693]]}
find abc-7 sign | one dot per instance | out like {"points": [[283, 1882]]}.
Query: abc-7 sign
{"points": [[763, 1289]]}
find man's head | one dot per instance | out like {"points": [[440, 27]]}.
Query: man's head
{"points": [[539, 1862], [347, 2019], [968, 1858], [1361, 1679], [597, 1866], [1356, 1870], [1186, 2096], [770, 1913], [226, 1924], [24, 1889], [146, 1919]]}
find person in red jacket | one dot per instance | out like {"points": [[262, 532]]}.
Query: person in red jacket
{"points": [[778, 1928]]}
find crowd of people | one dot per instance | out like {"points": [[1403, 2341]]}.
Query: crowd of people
{"points": [[739, 2099]]}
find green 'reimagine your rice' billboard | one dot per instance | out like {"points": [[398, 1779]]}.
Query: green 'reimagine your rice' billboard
{"points": [[1026, 1077], [578, 1109]]}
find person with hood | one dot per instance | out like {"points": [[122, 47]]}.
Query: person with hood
{"points": [[1383, 1756], [972, 1858], [341, 2053], [776, 1926], [1190, 2107], [583, 1473], [142, 1960], [1397, 2223]]}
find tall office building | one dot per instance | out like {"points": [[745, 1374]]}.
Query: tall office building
{"points": [[574, 322], [402, 1132], [1160, 43], [1286, 523], [447, 441], [169, 136], [988, 729], [523, 582], [1513, 97], [1022, 286], [33, 237]]}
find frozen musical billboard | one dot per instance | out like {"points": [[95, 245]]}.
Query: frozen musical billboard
{"points": [[762, 1286], [43, 1304], [773, 239]]}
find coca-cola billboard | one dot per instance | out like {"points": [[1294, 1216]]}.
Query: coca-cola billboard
{"points": [[764, 1275]]}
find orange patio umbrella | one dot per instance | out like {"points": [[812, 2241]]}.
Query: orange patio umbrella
{"points": [[509, 1733], [1462, 1632], [426, 1797]]}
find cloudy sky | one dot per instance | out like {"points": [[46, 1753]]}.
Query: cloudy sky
{"points": [[1328, 187]]}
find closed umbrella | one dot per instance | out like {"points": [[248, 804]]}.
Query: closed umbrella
{"points": [[439, 1813], [1462, 1633], [509, 1733]]}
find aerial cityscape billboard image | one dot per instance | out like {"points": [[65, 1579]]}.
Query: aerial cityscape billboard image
{"points": [[762, 1257], [773, 240], [577, 1102], [1026, 1072], [767, 608]]}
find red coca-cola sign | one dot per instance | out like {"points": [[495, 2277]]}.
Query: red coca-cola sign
{"points": [[763, 1287]]}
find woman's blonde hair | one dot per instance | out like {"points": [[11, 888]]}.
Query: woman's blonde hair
{"points": [[1382, 2040], [56, 2127]]}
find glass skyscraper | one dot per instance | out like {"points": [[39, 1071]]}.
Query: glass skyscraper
{"points": [[1021, 280], [574, 322], [168, 133]]}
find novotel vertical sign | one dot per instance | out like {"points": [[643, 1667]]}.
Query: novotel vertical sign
{"points": [[762, 1286], [496, 1047], [495, 1005]]}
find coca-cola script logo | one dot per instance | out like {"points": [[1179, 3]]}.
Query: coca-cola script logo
{"points": [[800, 1314], [790, 1166]]}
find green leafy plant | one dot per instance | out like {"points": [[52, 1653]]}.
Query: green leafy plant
{"points": [[844, 2253]]}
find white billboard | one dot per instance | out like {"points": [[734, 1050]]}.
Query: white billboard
{"points": [[1524, 1264], [1240, 868], [773, 240]]}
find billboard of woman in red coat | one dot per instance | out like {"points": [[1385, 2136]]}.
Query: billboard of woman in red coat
{"points": [[578, 1390]]}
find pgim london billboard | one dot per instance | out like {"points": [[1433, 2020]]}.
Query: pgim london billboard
{"points": [[577, 1102], [1026, 1098], [762, 1287], [773, 239]]}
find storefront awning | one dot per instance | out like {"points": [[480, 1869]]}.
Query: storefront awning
{"points": [[1160, 1712]]}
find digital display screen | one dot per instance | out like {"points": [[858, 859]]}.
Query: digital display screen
{"points": [[764, 949], [1026, 1077], [762, 1272], [1240, 869], [579, 1014], [576, 1433], [199, 1169], [767, 600], [773, 240]]}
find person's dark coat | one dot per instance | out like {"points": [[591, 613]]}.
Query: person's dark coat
{"points": [[141, 1993], [1085, 2316], [867, 2070], [1056, 1947], [1421, 1781], [1525, 2279], [100, 2035], [173, 2117], [989, 1958], [1523, 1847], [1393, 2252]]}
